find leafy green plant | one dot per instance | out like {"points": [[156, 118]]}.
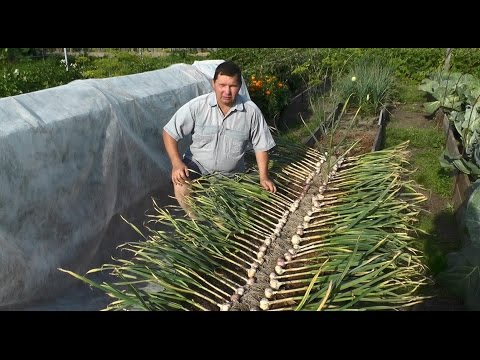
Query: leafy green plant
{"points": [[458, 94], [28, 76], [443, 86], [463, 274]]}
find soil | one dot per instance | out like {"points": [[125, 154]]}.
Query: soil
{"points": [[251, 299], [364, 132]]}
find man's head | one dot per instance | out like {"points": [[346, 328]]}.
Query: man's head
{"points": [[227, 81]]}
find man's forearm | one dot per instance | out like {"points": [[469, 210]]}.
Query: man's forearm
{"points": [[171, 147], [262, 163]]}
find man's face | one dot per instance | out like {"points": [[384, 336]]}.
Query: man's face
{"points": [[226, 89]]}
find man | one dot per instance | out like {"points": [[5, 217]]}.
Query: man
{"points": [[222, 124]]}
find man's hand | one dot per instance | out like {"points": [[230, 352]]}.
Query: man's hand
{"points": [[268, 185], [262, 162], [179, 173]]}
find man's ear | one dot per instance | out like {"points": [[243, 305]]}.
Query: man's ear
{"points": [[213, 82]]}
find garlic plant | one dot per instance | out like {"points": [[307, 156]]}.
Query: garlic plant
{"points": [[351, 250]]}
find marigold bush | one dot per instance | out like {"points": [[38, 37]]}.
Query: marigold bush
{"points": [[270, 94]]}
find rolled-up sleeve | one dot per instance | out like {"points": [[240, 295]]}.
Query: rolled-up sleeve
{"points": [[262, 139], [181, 123]]}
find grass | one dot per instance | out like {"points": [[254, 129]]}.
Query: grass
{"points": [[408, 93], [426, 145], [433, 242], [432, 176]]}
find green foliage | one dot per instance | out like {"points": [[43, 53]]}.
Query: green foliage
{"points": [[472, 215], [431, 175], [466, 60], [28, 76], [418, 63], [303, 66], [271, 61], [270, 95], [423, 138], [445, 88], [300, 66], [407, 92], [119, 63], [413, 63], [296, 67], [428, 144], [458, 162], [458, 94], [462, 277], [368, 84], [298, 132], [433, 243], [13, 54]]}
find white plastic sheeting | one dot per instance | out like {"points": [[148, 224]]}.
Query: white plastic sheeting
{"points": [[73, 156]]}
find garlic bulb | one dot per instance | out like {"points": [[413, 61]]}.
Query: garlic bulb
{"points": [[224, 307], [264, 304], [296, 239]]}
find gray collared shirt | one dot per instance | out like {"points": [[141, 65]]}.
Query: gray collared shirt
{"points": [[219, 141]]}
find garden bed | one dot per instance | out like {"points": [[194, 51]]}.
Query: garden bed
{"points": [[370, 130], [288, 241]]}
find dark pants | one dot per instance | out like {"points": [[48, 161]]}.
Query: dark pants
{"points": [[192, 166]]}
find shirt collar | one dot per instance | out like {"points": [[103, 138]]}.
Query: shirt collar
{"points": [[239, 102]]}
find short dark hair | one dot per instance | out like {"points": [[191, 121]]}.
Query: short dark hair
{"points": [[228, 68]]}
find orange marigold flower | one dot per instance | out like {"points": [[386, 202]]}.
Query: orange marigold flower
{"points": [[268, 92], [280, 85]]}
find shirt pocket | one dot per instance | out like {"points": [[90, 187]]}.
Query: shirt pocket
{"points": [[236, 142], [204, 138]]}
